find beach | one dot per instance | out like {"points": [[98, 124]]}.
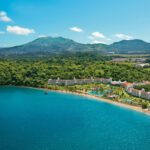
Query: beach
{"points": [[94, 97]]}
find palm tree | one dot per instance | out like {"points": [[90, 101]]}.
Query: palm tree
{"points": [[120, 92]]}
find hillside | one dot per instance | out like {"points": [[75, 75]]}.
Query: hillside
{"points": [[130, 46], [58, 45]]}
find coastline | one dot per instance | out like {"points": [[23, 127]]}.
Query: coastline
{"points": [[94, 97], [119, 104]]}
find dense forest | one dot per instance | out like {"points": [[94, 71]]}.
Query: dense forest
{"points": [[36, 72], [145, 87]]}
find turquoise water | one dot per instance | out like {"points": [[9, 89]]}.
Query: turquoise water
{"points": [[31, 120]]}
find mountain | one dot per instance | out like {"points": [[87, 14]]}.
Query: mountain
{"points": [[49, 45], [130, 46]]}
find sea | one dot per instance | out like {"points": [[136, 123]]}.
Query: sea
{"points": [[30, 119]]}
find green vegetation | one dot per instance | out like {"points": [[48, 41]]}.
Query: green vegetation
{"points": [[144, 105], [36, 72], [146, 87], [148, 60], [105, 91]]}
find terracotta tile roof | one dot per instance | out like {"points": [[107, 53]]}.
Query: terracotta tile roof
{"points": [[127, 84]]}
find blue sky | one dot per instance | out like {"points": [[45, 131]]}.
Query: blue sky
{"points": [[85, 21]]}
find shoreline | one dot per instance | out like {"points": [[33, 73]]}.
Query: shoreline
{"points": [[101, 99], [94, 97]]}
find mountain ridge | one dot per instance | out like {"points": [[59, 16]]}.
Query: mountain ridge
{"points": [[56, 45]]}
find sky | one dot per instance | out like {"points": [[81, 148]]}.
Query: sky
{"points": [[85, 21]]}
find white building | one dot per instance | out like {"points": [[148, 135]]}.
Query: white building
{"points": [[142, 65]]}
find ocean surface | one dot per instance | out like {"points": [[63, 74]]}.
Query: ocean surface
{"points": [[31, 120]]}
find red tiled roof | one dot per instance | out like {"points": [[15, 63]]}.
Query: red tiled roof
{"points": [[127, 84]]}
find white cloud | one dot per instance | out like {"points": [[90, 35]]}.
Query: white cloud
{"points": [[123, 36], [19, 30], [4, 17], [42, 36], [98, 35], [76, 29], [98, 42]]}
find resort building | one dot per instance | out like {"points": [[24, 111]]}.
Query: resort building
{"points": [[136, 92], [103, 80], [129, 87], [142, 65], [145, 95], [126, 85], [116, 83], [78, 81]]}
